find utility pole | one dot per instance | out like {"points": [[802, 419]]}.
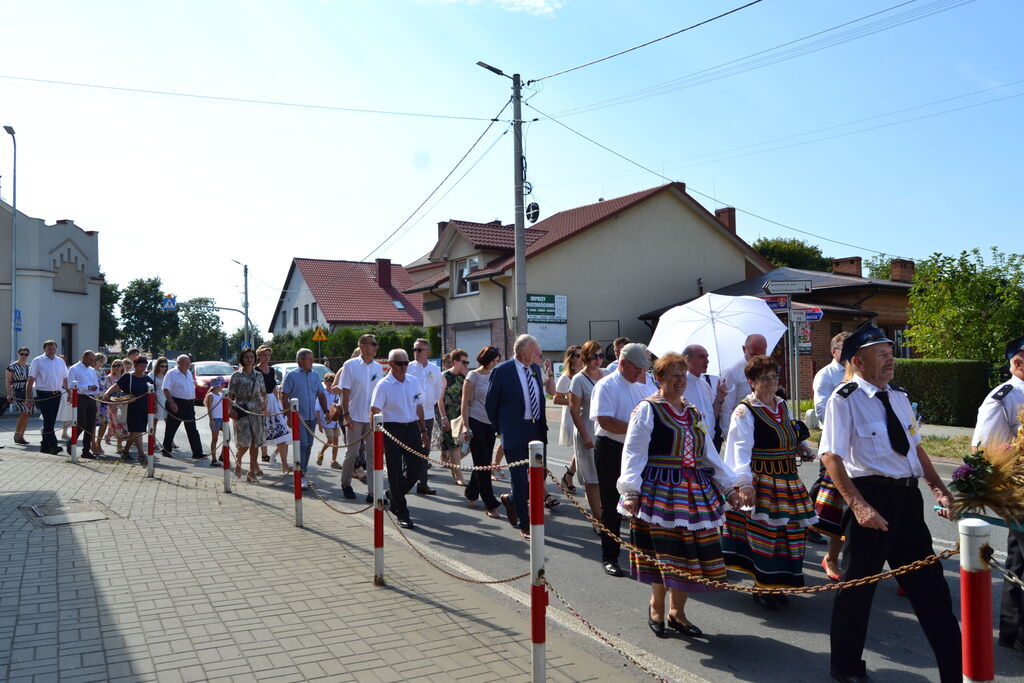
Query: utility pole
{"points": [[245, 306], [14, 246]]}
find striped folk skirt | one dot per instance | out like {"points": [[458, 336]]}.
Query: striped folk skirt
{"points": [[680, 552], [829, 506]]}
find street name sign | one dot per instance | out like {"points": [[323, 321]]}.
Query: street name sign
{"points": [[788, 286], [777, 303], [810, 315]]}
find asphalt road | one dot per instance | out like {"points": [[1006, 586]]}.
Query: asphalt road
{"points": [[743, 641]]}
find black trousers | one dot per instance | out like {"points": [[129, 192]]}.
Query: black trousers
{"points": [[608, 460], [402, 466], [481, 446], [86, 422], [186, 411], [1011, 607], [866, 550], [48, 403], [422, 465], [519, 476]]}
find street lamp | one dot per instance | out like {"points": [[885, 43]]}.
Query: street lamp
{"points": [[14, 243], [245, 304]]}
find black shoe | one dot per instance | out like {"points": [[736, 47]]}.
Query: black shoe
{"points": [[848, 678], [265, 458], [688, 630], [613, 569], [56, 450], [214, 462], [657, 626], [769, 602], [21, 441], [406, 524], [198, 457], [1011, 643], [816, 538], [88, 456], [425, 490], [348, 492], [369, 499], [166, 454]]}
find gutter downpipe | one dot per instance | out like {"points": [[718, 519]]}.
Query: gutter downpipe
{"points": [[444, 320], [504, 314]]}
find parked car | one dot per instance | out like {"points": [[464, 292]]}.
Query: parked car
{"points": [[205, 371], [281, 370]]}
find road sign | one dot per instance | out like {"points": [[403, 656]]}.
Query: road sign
{"points": [[777, 303], [170, 302], [319, 335], [17, 320], [788, 286], [810, 315], [246, 345]]}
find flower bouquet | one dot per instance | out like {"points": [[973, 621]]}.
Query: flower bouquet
{"points": [[991, 479]]}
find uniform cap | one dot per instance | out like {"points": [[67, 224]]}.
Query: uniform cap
{"points": [[1014, 347], [866, 335]]}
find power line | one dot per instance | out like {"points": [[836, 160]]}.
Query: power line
{"points": [[690, 189], [649, 42], [244, 100], [748, 62]]}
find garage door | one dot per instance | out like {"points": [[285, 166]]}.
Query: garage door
{"points": [[472, 340]]}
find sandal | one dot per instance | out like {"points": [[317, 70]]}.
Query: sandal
{"points": [[567, 481], [830, 575], [320, 459], [238, 470], [550, 502], [250, 477], [492, 513]]}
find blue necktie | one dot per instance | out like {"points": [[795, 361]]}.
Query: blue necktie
{"points": [[534, 404]]}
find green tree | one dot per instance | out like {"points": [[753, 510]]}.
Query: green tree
{"points": [[793, 253], [880, 267], [962, 307], [143, 322], [200, 332], [236, 337], [110, 294]]}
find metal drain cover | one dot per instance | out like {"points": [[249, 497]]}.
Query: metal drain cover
{"points": [[68, 513]]}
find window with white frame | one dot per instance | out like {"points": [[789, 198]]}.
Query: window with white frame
{"points": [[284, 319], [463, 268], [312, 310]]}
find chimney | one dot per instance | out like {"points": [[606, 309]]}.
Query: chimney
{"points": [[65, 221], [441, 225], [902, 270], [847, 266], [727, 216], [384, 272]]}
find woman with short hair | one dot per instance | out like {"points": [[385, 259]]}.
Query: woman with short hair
{"points": [[248, 397], [17, 378], [135, 385]]}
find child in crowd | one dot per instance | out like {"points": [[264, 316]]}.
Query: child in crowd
{"points": [[215, 408], [329, 428]]}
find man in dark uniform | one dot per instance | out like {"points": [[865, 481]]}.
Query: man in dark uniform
{"points": [[872, 450], [998, 421]]}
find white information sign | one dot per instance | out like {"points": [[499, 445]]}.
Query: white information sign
{"points": [[550, 336]]}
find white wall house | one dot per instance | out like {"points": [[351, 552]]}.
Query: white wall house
{"points": [[58, 285]]}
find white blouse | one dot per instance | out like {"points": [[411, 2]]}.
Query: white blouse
{"points": [[740, 440], [634, 453]]}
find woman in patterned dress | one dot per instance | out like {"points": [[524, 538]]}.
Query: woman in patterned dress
{"points": [[17, 378], [249, 401], [454, 377], [672, 487], [276, 432], [766, 539]]}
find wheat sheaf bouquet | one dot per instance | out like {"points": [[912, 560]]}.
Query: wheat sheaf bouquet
{"points": [[992, 479]]}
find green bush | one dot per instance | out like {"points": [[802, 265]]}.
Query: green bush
{"points": [[948, 392]]}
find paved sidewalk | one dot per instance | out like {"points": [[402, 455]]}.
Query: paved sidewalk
{"points": [[186, 583]]}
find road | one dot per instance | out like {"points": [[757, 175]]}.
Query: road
{"points": [[743, 641]]}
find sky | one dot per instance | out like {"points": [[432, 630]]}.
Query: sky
{"points": [[898, 133]]}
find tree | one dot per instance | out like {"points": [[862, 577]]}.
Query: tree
{"points": [[880, 267], [235, 340], [962, 307], [144, 323], [790, 252], [199, 330], [110, 294]]}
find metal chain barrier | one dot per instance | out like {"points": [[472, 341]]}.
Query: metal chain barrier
{"points": [[442, 569], [723, 585], [986, 554], [312, 432], [599, 635], [464, 468], [312, 487]]}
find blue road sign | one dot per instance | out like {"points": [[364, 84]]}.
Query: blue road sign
{"points": [[17, 320], [246, 345], [170, 303]]}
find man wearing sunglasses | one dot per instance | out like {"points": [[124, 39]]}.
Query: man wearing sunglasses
{"points": [[432, 384], [359, 377]]}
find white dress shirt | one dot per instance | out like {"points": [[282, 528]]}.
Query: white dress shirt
{"points": [[180, 385], [634, 453], [432, 383], [525, 373], [825, 382], [740, 439], [855, 430], [86, 377], [49, 373], [360, 378], [737, 387], [397, 401], [998, 416], [702, 395], [615, 396]]}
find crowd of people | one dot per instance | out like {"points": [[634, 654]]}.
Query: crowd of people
{"points": [[702, 468]]}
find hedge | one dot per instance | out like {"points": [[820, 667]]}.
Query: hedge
{"points": [[343, 340], [948, 392]]}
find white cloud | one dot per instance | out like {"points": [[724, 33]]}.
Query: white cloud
{"points": [[543, 8]]}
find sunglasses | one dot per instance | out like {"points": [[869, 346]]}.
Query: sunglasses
{"points": [[23, 353], [415, 350], [597, 355], [400, 363], [574, 356]]}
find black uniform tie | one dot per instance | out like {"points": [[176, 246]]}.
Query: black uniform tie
{"points": [[897, 437]]}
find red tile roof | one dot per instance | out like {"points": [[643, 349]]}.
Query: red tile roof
{"points": [[347, 292]]}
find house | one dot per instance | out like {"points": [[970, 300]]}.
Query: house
{"points": [[57, 287], [846, 300], [590, 270], [329, 294]]}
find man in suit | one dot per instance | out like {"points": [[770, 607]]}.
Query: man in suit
{"points": [[515, 406]]}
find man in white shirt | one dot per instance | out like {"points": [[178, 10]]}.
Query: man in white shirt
{"points": [[179, 389], [706, 392], [432, 384], [359, 377], [872, 450], [615, 395], [998, 422], [616, 349], [48, 376], [735, 380], [88, 385], [399, 398]]}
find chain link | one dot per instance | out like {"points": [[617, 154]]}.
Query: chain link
{"points": [[464, 468], [312, 487], [312, 432], [986, 554]]}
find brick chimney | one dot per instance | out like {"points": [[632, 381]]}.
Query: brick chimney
{"points": [[384, 272], [441, 225], [847, 266], [902, 270], [727, 216]]}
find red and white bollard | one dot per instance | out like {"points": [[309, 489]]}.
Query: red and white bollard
{"points": [[225, 433], [378, 500], [976, 601], [151, 437], [538, 593], [73, 446], [297, 459]]}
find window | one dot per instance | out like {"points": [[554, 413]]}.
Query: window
{"points": [[312, 309], [284, 319], [305, 313], [295, 316], [463, 268], [398, 304]]}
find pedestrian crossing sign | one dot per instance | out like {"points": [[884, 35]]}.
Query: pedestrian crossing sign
{"points": [[170, 302], [319, 335]]}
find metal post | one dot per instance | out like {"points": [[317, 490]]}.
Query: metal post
{"points": [[73, 446], [976, 601], [538, 594], [151, 436], [378, 500], [14, 241], [245, 305], [520, 229], [225, 428], [297, 459]]}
